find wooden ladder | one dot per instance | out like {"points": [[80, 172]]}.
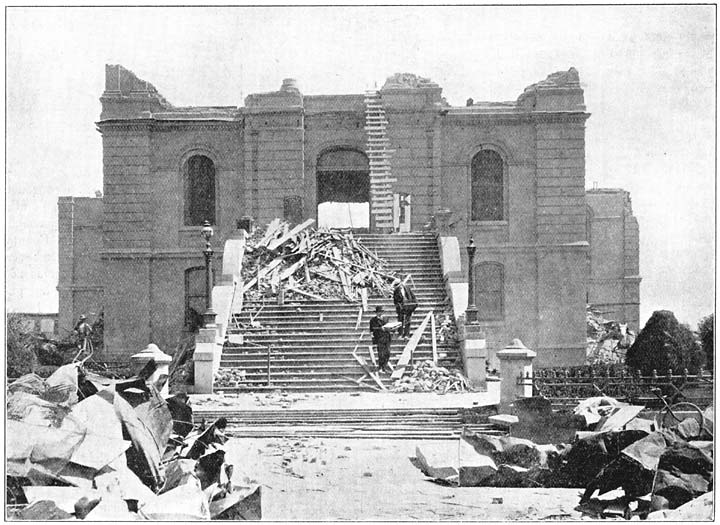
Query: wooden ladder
{"points": [[379, 153]]}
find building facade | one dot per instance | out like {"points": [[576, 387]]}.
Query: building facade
{"points": [[509, 174]]}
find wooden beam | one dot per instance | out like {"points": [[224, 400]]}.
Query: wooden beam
{"points": [[368, 371], [292, 269], [372, 355], [262, 273], [277, 243], [434, 343], [406, 355], [306, 294]]}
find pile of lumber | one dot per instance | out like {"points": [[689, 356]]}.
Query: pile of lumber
{"points": [[311, 264], [428, 377]]}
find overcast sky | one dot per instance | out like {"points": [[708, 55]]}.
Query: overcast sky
{"points": [[648, 74]]}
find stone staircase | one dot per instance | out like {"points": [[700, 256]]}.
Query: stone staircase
{"points": [[312, 341], [367, 423]]}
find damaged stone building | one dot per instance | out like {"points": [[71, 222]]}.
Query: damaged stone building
{"points": [[509, 174]]}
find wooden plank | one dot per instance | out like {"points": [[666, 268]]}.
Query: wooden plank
{"points": [[275, 244], [367, 370], [307, 271], [406, 355], [292, 269], [306, 294], [364, 298], [372, 355], [262, 273], [359, 318], [327, 276], [275, 280], [434, 342], [270, 232]]}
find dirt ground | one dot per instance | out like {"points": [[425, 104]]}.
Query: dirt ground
{"points": [[368, 479]]}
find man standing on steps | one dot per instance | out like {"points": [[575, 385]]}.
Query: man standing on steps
{"points": [[381, 339], [405, 304]]}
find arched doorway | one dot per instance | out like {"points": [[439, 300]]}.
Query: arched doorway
{"points": [[343, 189]]}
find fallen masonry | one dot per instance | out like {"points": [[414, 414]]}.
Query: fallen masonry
{"points": [[629, 467], [80, 445]]}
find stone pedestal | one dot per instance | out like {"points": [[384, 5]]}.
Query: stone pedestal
{"points": [[474, 354], [162, 360], [203, 360], [515, 363]]}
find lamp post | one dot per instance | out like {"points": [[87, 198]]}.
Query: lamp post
{"points": [[209, 315], [471, 315]]}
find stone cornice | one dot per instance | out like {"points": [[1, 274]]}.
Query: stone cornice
{"points": [[166, 124], [465, 118]]}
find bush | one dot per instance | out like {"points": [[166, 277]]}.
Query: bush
{"points": [[20, 358], [706, 333], [665, 344]]}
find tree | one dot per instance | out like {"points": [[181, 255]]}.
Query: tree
{"points": [[706, 333], [20, 358], [665, 344]]}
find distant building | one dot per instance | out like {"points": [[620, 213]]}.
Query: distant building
{"points": [[613, 234], [46, 324], [509, 174]]}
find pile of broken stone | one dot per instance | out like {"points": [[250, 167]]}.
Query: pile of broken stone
{"points": [[426, 376], [306, 263], [627, 466], [82, 446]]}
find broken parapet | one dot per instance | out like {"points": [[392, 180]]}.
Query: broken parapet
{"points": [[288, 96], [560, 91], [127, 96], [410, 91]]}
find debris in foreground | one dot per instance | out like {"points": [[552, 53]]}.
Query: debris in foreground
{"points": [[627, 470], [85, 447]]}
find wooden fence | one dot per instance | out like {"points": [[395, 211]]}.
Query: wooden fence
{"points": [[566, 387]]}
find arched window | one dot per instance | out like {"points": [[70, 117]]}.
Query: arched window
{"points": [[489, 291], [487, 173], [199, 190]]}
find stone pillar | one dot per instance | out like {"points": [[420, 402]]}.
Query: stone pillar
{"points": [[162, 360], [203, 360], [515, 362], [474, 354]]}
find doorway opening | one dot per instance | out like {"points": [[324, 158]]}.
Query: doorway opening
{"points": [[343, 190]]}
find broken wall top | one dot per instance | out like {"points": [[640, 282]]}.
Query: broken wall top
{"points": [[560, 91], [127, 96]]}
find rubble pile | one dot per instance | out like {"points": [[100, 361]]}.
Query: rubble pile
{"points": [[607, 340], [428, 377], [229, 377], [311, 264], [82, 446], [628, 466]]}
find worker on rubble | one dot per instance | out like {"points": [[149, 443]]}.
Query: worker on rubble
{"points": [[405, 304], [83, 329], [381, 339]]}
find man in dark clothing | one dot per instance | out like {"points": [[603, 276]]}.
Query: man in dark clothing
{"points": [[381, 339], [405, 305]]}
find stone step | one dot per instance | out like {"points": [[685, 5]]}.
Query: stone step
{"points": [[329, 354]]}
